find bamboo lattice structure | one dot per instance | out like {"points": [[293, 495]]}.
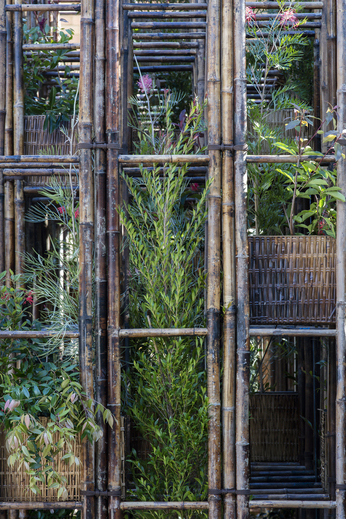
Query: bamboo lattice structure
{"points": [[282, 286]]}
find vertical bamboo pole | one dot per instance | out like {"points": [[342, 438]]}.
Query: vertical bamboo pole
{"points": [[9, 229], [243, 339], [18, 138], [331, 410], [113, 115], [328, 57], [340, 272], [86, 204], [229, 285], [213, 255], [308, 413], [9, 86], [3, 34], [301, 398], [101, 457]]}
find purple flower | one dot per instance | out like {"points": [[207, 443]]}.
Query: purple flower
{"points": [[145, 83]]}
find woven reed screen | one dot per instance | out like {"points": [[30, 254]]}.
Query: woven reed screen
{"points": [[292, 279], [14, 482], [39, 141], [274, 420]]}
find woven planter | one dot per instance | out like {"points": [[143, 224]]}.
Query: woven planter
{"points": [[274, 420], [292, 280]]}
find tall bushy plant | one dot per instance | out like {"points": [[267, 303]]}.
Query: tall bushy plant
{"points": [[166, 384]]}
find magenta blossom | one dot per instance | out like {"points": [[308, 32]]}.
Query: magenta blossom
{"points": [[250, 15], [288, 18], [29, 297], [145, 83], [76, 213], [62, 209], [194, 187]]}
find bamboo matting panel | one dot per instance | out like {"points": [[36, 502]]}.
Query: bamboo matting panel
{"points": [[292, 279], [14, 482], [38, 141], [274, 421]]}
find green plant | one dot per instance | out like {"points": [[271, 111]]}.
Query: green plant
{"points": [[57, 101], [32, 388], [310, 180], [165, 387]]}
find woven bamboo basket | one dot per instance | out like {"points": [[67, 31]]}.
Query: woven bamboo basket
{"points": [[14, 482], [292, 280], [274, 421], [39, 141]]}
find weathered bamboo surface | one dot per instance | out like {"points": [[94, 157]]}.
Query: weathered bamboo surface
{"points": [[42, 7], [163, 332], [36, 505], [32, 334], [292, 279], [49, 159], [327, 505], [169, 159], [165, 505]]}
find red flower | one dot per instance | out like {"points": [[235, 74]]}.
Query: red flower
{"points": [[6, 296], [62, 209], [250, 15], [288, 18], [194, 187], [29, 297], [76, 213]]}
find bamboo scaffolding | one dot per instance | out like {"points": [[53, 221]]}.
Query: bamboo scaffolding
{"points": [[154, 6], [159, 159], [41, 7], [340, 272], [113, 130], [3, 37], [86, 237], [241, 244], [101, 455], [213, 62]]}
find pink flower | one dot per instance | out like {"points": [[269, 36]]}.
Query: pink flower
{"points": [[145, 83], [76, 213], [288, 18], [62, 209], [194, 187], [6, 296], [250, 15], [29, 297]]}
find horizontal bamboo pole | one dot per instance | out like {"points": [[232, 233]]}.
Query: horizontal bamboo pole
{"points": [[158, 59], [292, 497], [167, 52], [285, 159], [155, 7], [292, 332], [168, 44], [292, 504], [164, 505], [275, 5], [169, 159], [164, 68], [35, 172], [169, 25], [283, 33], [163, 332], [167, 14], [42, 7], [49, 159], [37, 505], [50, 46], [29, 165], [32, 334], [309, 16], [306, 25], [167, 35]]}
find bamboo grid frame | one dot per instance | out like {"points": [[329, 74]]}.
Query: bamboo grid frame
{"points": [[106, 36]]}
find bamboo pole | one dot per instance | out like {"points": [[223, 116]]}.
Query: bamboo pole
{"points": [[34, 334], [168, 25], [163, 332], [9, 230], [167, 35], [243, 338], [163, 14], [213, 72], [3, 37], [340, 272], [164, 68], [41, 8], [86, 194], [166, 52], [165, 44], [164, 7], [292, 332], [35, 172], [50, 46], [48, 160], [113, 123], [165, 505], [287, 159], [101, 456], [9, 87], [229, 282], [158, 159], [40, 505], [331, 410], [291, 5], [327, 505], [163, 58]]}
